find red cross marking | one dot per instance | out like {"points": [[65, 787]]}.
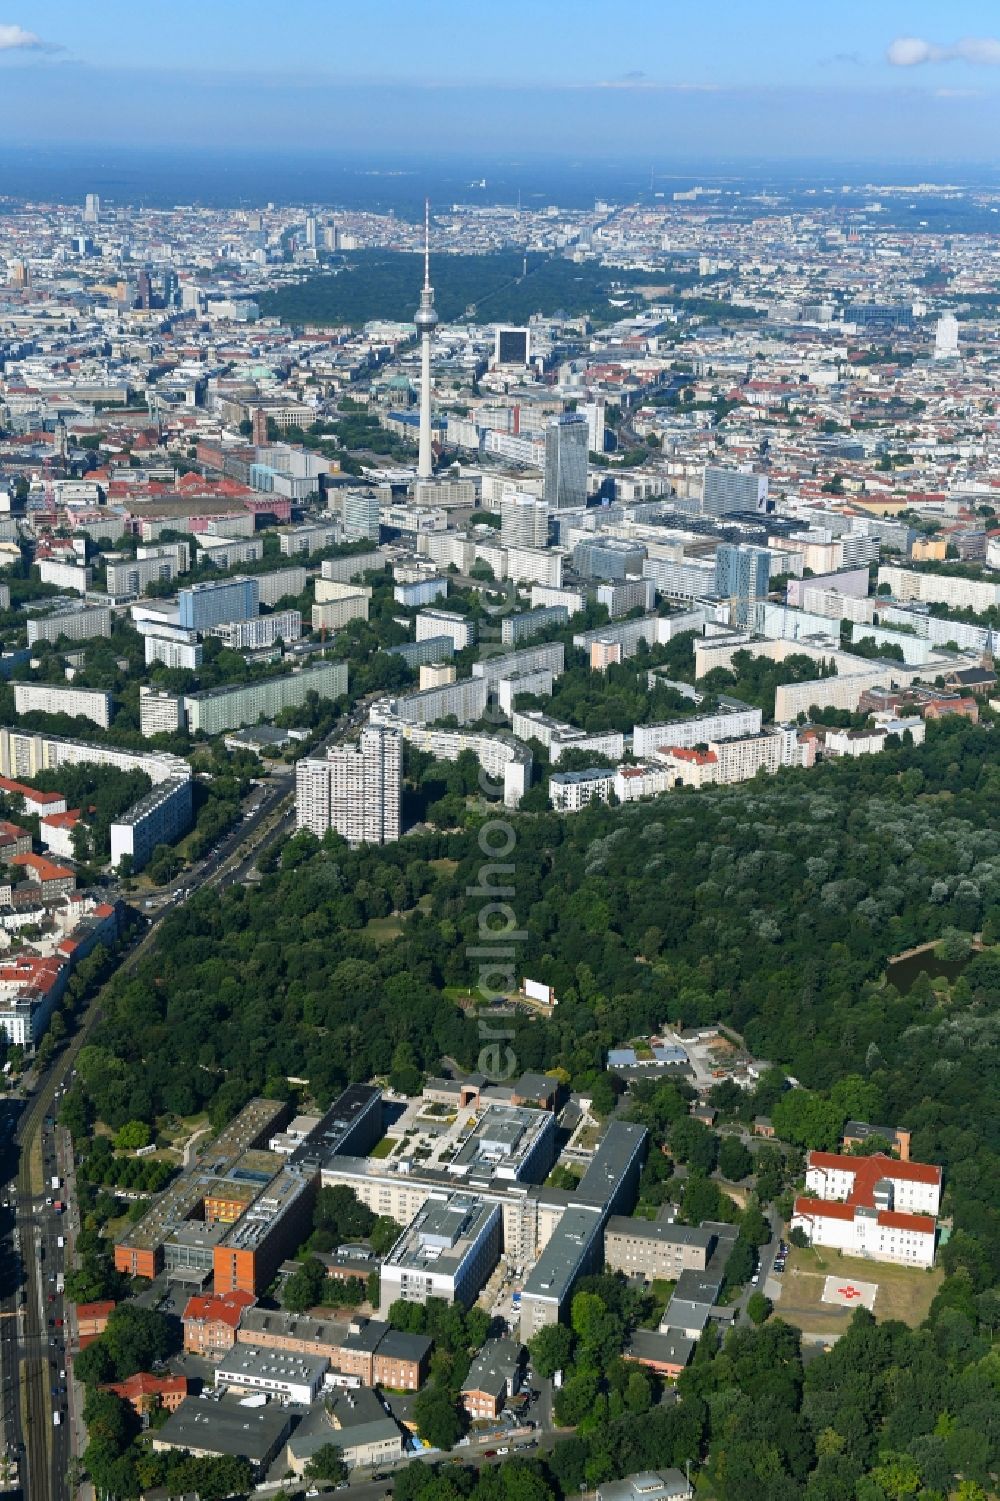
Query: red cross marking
{"points": [[849, 1292]]}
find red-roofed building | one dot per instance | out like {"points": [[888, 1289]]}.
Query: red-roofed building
{"points": [[877, 1207], [145, 1393], [55, 880], [210, 1322], [56, 832], [13, 840], [92, 1320], [32, 801]]}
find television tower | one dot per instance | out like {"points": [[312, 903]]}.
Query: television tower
{"points": [[426, 320]]}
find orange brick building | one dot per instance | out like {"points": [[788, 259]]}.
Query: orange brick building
{"points": [[210, 1323], [92, 1320], [145, 1392]]}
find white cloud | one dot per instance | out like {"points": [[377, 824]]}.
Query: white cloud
{"points": [[16, 39], [913, 51]]}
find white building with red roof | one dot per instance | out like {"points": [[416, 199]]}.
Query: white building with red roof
{"points": [[875, 1206]]}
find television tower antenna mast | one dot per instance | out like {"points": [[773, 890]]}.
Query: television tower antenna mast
{"points": [[426, 321]]}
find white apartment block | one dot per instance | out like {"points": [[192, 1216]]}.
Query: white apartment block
{"points": [[524, 521], [569, 791], [75, 622], [504, 760], [634, 782], [868, 742], [134, 575], [729, 761], [546, 594], [549, 657], [262, 632], [537, 683], [220, 709], [283, 583], [466, 700], [46, 698], [559, 738], [355, 790], [939, 588], [65, 575], [532, 565], [163, 815], [337, 612], [172, 653], [160, 713], [325, 590], [444, 623], [698, 730]]}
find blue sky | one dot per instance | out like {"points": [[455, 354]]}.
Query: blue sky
{"points": [[657, 79]]}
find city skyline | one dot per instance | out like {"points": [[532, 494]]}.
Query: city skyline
{"points": [[895, 81]]}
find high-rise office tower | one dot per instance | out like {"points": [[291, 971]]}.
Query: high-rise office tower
{"points": [[426, 320], [513, 346], [145, 289], [524, 521], [566, 446], [354, 790], [742, 576], [312, 231], [946, 337], [92, 208], [726, 490]]}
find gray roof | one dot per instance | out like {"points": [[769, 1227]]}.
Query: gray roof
{"points": [[661, 1231], [226, 1428], [494, 1367], [669, 1346]]}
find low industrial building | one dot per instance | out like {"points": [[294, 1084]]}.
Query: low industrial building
{"points": [[211, 1430], [276, 1373], [356, 1423]]}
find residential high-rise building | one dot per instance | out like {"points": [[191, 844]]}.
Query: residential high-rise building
{"points": [[742, 576], [355, 790], [524, 521], [567, 441], [946, 337], [203, 605], [312, 231], [360, 516], [594, 413], [426, 320], [92, 208], [726, 490]]}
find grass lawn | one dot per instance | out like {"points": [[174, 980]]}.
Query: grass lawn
{"points": [[384, 929], [384, 1147], [904, 1293], [660, 1292]]}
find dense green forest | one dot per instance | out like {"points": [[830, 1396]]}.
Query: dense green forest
{"points": [[386, 284], [772, 906]]}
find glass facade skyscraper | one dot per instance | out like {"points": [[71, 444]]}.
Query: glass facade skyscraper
{"points": [[742, 575], [566, 449]]}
